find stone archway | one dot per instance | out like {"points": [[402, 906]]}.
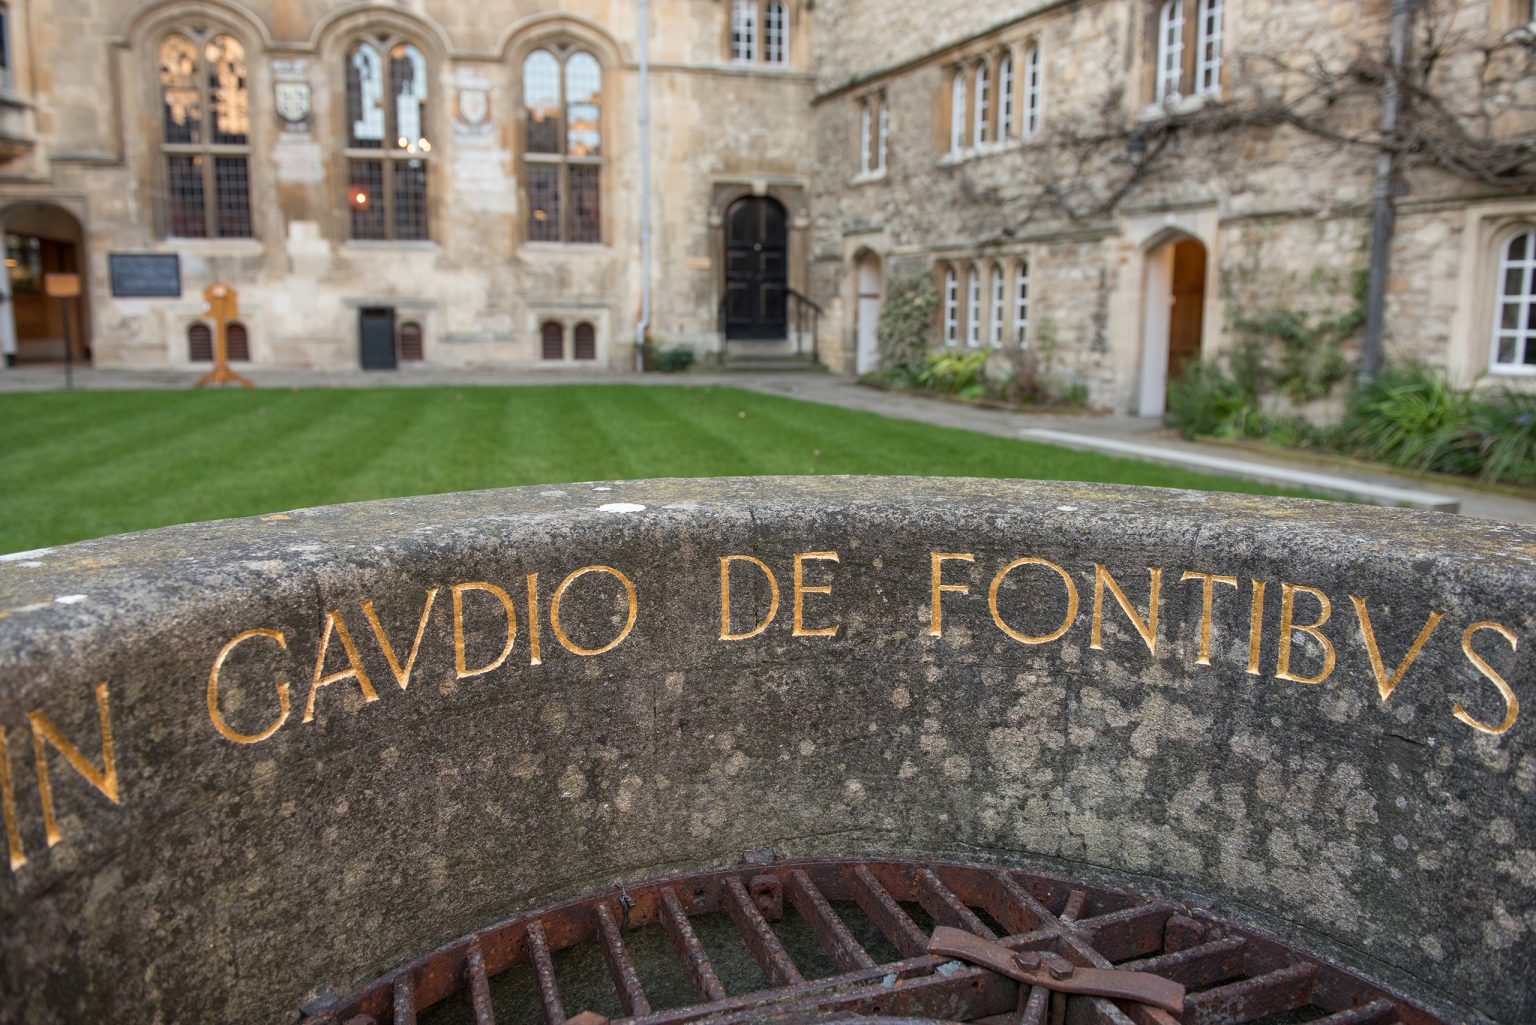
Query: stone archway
{"points": [[43, 238], [1173, 319], [868, 293]]}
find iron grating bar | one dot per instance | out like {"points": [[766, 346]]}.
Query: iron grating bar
{"points": [[947, 909], [1033, 1000], [626, 980], [1129, 933], [403, 1000], [544, 968], [479, 988], [887, 915], [1252, 999], [771, 956], [1377, 1012], [1020, 910], [700, 972], [1075, 903], [830, 930], [1197, 967]]}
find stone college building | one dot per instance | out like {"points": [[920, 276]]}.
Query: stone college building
{"points": [[1113, 184]]}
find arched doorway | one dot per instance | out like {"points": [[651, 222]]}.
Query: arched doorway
{"points": [[42, 239], [866, 317], [756, 269], [1174, 320]]}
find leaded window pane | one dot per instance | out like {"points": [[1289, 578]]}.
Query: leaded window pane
{"points": [[184, 192], [181, 98], [586, 210], [544, 202], [744, 30], [366, 196], [365, 98], [1005, 97], [410, 199], [583, 88], [228, 95], [1208, 73], [232, 197], [1170, 49], [979, 133], [541, 98], [776, 34], [408, 86], [1032, 92]]}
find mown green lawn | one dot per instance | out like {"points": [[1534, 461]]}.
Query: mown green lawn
{"points": [[77, 465]]}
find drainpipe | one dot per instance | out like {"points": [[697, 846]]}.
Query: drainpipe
{"points": [[645, 185], [1383, 194]]}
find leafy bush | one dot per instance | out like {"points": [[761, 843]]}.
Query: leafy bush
{"points": [[957, 371], [906, 319], [1207, 400], [1506, 430], [1311, 361], [1410, 416], [675, 359]]}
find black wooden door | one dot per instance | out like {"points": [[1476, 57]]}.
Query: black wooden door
{"points": [[756, 269], [376, 329]]}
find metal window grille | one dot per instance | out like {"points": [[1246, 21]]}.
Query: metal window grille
{"points": [[957, 113], [979, 126], [365, 196], [184, 196], [585, 341], [388, 142], [205, 120], [552, 338], [1021, 304], [951, 307], [744, 30], [1514, 328], [237, 342], [1032, 92], [199, 343], [1170, 49], [1005, 97], [973, 308], [563, 146], [776, 34], [1208, 47], [411, 347], [999, 305]]}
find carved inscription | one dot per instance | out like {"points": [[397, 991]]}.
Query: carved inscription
{"points": [[487, 624]]}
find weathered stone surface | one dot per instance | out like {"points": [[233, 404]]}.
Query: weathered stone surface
{"points": [[230, 881]]}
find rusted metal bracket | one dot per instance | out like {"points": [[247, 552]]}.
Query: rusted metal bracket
{"points": [[1056, 973]]}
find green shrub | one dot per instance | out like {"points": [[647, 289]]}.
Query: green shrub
{"points": [[1506, 428], [1206, 400], [957, 371], [906, 320], [1410, 416], [675, 359]]}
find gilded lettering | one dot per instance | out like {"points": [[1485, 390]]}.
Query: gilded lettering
{"points": [[1511, 703], [402, 674], [802, 589], [725, 597], [13, 842], [460, 664], [1023, 638], [1207, 598], [354, 670], [1385, 684], [1256, 628], [1289, 627], [213, 691], [1147, 627], [937, 560], [535, 658], [104, 780], [554, 610]]}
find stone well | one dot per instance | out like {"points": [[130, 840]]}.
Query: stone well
{"points": [[250, 762]]}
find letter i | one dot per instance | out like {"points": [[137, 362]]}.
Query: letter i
{"points": [[1256, 628], [533, 620]]}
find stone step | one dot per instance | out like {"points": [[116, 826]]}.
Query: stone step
{"points": [[767, 362]]}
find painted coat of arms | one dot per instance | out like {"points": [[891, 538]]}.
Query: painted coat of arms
{"points": [[292, 101], [474, 106]]}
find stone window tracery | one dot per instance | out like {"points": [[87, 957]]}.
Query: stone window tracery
{"points": [[388, 143], [1514, 313], [563, 145], [205, 119]]}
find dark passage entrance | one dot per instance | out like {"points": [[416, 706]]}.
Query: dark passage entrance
{"points": [[376, 329], [1187, 314], [756, 269]]}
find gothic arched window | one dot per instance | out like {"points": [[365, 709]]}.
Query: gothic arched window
{"points": [[206, 143], [563, 145], [388, 142]]}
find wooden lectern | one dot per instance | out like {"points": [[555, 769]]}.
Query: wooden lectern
{"points": [[222, 306]]}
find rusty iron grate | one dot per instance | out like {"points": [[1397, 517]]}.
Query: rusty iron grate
{"points": [[825, 940]]}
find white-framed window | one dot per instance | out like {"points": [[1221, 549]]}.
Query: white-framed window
{"points": [[7, 76], [951, 307], [973, 308], [1208, 48], [1514, 315], [999, 305], [1005, 96], [776, 33], [743, 30], [882, 134], [1031, 91], [1170, 50], [957, 113], [982, 108], [866, 136], [1021, 304]]}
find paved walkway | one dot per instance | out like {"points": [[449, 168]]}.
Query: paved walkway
{"points": [[1132, 437]]}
